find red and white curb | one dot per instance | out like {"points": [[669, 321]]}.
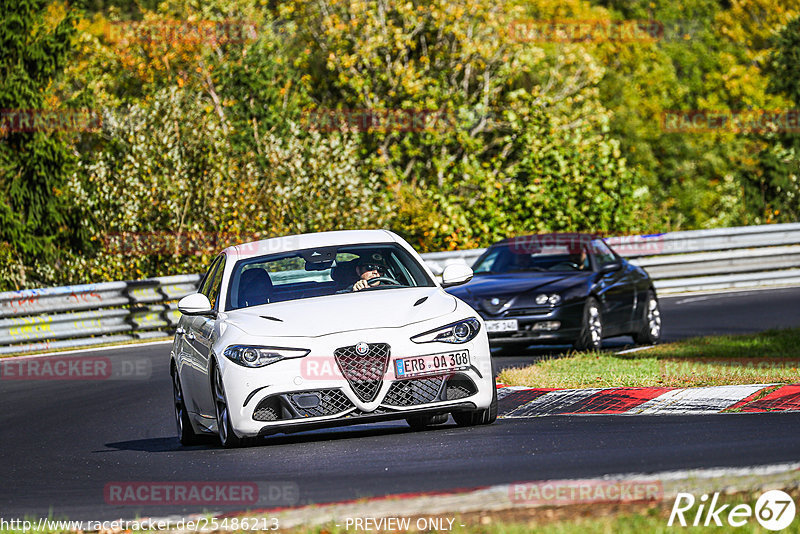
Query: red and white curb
{"points": [[523, 402]]}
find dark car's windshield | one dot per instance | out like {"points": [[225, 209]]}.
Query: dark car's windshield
{"points": [[510, 258], [320, 272]]}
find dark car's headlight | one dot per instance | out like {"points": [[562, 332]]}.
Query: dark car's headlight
{"points": [[250, 356], [553, 299], [459, 332]]}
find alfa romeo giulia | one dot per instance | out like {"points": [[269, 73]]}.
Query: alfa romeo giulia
{"points": [[318, 330]]}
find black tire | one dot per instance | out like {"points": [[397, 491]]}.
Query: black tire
{"points": [[227, 436], [591, 334], [479, 417], [650, 332], [418, 422], [186, 434]]}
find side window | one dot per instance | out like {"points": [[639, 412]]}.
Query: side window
{"points": [[216, 283], [603, 255], [205, 285], [488, 262]]}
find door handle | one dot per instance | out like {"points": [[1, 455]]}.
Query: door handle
{"points": [[190, 336]]}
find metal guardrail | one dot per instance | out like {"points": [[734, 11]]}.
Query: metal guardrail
{"points": [[73, 316], [85, 315]]}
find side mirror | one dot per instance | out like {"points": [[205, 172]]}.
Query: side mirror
{"points": [[456, 274], [195, 304], [611, 267]]}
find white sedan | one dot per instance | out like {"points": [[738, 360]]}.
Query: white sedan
{"points": [[320, 330]]}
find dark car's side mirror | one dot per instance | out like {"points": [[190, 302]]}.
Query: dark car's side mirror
{"points": [[611, 267]]}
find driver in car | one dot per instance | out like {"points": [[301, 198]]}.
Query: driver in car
{"points": [[368, 267]]}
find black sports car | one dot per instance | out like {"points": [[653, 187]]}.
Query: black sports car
{"points": [[561, 288]]}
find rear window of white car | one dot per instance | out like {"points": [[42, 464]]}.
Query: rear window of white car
{"points": [[319, 272]]}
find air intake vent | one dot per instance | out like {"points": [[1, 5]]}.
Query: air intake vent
{"points": [[413, 392]]}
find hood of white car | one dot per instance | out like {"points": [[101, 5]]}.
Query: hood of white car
{"points": [[319, 316]]}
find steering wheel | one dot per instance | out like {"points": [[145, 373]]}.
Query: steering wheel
{"points": [[386, 279], [568, 264]]}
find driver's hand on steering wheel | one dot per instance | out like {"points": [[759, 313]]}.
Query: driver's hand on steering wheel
{"points": [[364, 282]]}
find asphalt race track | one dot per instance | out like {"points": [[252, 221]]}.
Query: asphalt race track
{"points": [[65, 441]]}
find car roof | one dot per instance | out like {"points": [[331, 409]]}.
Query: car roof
{"points": [[277, 245], [583, 237]]}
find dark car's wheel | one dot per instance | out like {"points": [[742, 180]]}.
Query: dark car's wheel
{"points": [[186, 434], [650, 332], [591, 334], [226, 435], [421, 421], [479, 417]]}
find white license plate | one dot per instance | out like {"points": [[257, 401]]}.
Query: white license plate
{"points": [[504, 325], [432, 364]]}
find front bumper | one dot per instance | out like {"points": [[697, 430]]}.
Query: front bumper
{"points": [[311, 392], [360, 418], [569, 315]]}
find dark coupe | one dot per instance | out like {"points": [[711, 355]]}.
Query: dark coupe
{"points": [[562, 289]]}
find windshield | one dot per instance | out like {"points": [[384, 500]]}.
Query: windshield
{"points": [[320, 272], [509, 259]]}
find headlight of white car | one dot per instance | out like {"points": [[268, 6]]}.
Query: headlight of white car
{"points": [[459, 332], [249, 356]]}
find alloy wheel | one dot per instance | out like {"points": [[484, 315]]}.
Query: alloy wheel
{"points": [[653, 318]]}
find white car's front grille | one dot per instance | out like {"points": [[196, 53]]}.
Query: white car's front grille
{"points": [[364, 372]]}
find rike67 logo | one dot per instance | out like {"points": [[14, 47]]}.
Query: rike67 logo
{"points": [[774, 510]]}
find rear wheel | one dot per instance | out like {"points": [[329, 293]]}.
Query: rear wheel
{"points": [[650, 332], [186, 434], [591, 334], [421, 421], [479, 417], [226, 434]]}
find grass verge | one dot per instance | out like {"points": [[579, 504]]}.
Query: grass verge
{"points": [[768, 357]]}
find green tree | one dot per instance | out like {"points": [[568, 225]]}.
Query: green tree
{"points": [[774, 184], [35, 222], [459, 61]]}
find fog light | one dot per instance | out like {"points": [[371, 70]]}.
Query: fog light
{"points": [[308, 400], [547, 325]]}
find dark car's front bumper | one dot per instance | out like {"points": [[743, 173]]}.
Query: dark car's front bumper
{"points": [[569, 315]]}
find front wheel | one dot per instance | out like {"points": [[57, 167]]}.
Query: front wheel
{"points": [[650, 332], [479, 417], [227, 437], [591, 334]]}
